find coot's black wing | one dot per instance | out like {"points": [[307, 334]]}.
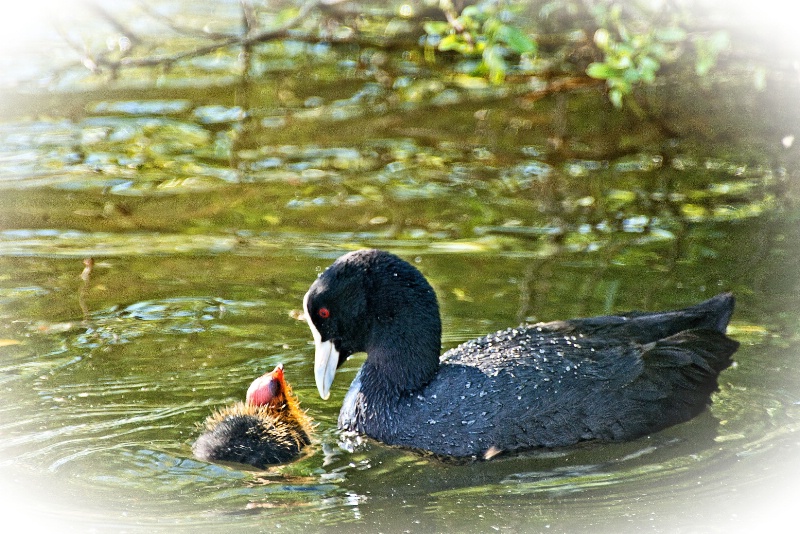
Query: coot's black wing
{"points": [[608, 378], [679, 375], [647, 327]]}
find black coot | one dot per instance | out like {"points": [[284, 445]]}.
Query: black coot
{"points": [[268, 428], [553, 384]]}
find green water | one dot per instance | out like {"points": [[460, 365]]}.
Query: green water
{"points": [[209, 207]]}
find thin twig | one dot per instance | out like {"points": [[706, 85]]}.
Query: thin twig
{"points": [[250, 23], [561, 85], [260, 37], [116, 24], [248, 16], [81, 49], [184, 30]]}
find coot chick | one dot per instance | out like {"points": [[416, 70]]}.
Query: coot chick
{"points": [[268, 428], [608, 378]]}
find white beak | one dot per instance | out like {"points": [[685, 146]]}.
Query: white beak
{"points": [[326, 357]]}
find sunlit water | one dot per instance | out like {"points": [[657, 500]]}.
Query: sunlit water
{"points": [[208, 224]]}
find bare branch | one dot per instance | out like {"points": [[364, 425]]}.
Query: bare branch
{"points": [[451, 15], [561, 85], [280, 32], [80, 48], [116, 24], [184, 30], [283, 30], [248, 16]]}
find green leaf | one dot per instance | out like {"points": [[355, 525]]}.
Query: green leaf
{"points": [[492, 28], [457, 43], [493, 59], [708, 50], [615, 95], [449, 42], [620, 62], [648, 68], [632, 76], [515, 39], [658, 50], [649, 64], [600, 71], [619, 84], [471, 11], [434, 27], [602, 38]]}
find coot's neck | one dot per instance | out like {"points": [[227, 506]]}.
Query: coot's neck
{"points": [[404, 340], [405, 362]]}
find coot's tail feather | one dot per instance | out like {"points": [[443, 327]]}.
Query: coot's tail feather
{"points": [[712, 314], [680, 374], [644, 327], [706, 351]]}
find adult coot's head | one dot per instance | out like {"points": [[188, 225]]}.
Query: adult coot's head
{"points": [[372, 301]]}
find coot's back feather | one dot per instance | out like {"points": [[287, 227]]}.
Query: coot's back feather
{"points": [[545, 385]]}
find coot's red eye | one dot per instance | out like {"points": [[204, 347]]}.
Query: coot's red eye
{"points": [[324, 313]]}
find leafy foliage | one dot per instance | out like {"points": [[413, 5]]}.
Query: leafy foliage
{"points": [[633, 43], [635, 48], [484, 30], [626, 45]]}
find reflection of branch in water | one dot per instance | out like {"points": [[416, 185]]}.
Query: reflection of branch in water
{"points": [[85, 276], [527, 295]]}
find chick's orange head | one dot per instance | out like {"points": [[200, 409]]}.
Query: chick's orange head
{"points": [[267, 389]]}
